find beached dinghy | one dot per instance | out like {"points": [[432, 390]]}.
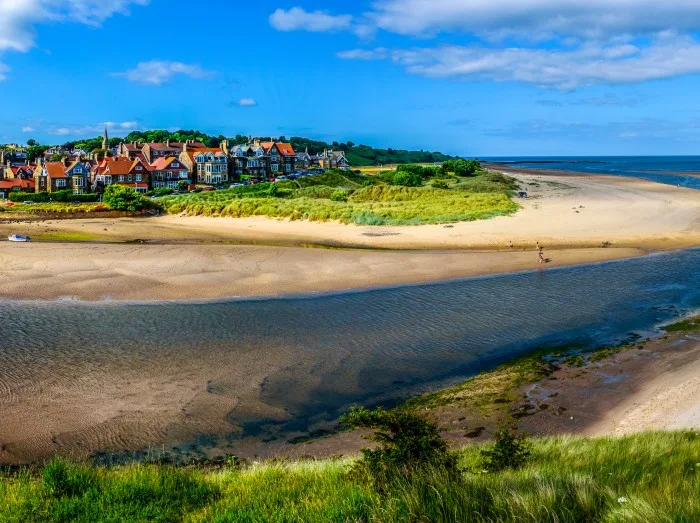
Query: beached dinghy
{"points": [[18, 238]]}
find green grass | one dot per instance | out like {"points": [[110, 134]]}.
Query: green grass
{"points": [[370, 201], [65, 236], [683, 326], [641, 478], [54, 207]]}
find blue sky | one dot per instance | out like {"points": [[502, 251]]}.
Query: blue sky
{"points": [[470, 77]]}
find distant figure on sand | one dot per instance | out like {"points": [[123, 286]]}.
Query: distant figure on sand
{"points": [[541, 256], [510, 244]]}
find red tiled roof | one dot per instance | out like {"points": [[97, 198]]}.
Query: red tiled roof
{"points": [[55, 170], [17, 182], [285, 149], [163, 163]]}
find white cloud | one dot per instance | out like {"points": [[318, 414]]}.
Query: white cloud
{"points": [[18, 18], [563, 69], [247, 102], [28, 129], [297, 19], [364, 54], [158, 72], [582, 18]]}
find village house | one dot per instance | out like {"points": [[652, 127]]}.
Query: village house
{"points": [[250, 159], [282, 157], [330, 159], [169, 172], [122, 171], [62, 176], [153, 151], [23, 172], [131, 150], [207, 165], [15, 185], [304, 160]]}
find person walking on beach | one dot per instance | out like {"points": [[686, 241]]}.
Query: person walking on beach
{"points": [[510, 244], [541, 256]]}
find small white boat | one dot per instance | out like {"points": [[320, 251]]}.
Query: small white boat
{"points": [[19, 238]]}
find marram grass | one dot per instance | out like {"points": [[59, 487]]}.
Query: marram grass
{"points": [[368, 203], [650, 477]]}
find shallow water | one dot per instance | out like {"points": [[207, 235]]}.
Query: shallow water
{"points": [[307, 358], [673, 170]]}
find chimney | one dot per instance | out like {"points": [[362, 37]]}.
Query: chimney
{"points": [[167, 142], [224, 146], [184, 147]]}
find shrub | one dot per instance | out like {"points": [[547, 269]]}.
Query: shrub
{"points": [[461, 167], [408, 444], [339, 196], [440, 184], [40, 197], [407, 179], [508, 452], [420, 170], [61, 478], [121, 198]]}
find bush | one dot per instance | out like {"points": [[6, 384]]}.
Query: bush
{"points": [[407, 179], [440, 184], [160, 191], [461, 167], [121, 198], [408, 444], [509, 452], [339, 196], [65, 196], [60, 478], [420, 170]]}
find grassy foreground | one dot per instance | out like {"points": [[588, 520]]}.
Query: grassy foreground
{"points": [[651, 477], [354, 198]]}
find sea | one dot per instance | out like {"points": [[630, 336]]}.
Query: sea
{"points": [[673, 170]]}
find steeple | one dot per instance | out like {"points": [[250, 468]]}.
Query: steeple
{"points": [[105, 140]]}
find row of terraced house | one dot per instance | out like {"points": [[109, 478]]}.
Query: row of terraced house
{"points": [[146, 166]]}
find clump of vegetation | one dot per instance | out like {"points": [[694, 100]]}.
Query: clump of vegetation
{"points": [[46, 197], [686, 325], [510, 451], [461, 167], [121, 198], [407, 179], [370, 200], [408, 445], [440, 184]]}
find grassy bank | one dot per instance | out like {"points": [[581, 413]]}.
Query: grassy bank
{"points": [[354, 198], [641, 478]]}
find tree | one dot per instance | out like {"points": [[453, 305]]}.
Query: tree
{"points": [[57, 157], [35, 152], [32, 142], [408, 179], [121, 198], [509, 452], [407, 444]]}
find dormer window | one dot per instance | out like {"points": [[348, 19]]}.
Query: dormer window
{"points": [[175, 165], [138, 168]]}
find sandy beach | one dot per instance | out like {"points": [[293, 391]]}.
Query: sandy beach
{"points": [[179, 257]]}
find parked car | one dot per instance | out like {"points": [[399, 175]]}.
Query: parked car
{"points": [[281, 178], [209, 188], [29, 202], [235, 185]]}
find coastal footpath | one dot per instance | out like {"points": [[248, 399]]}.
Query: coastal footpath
{"points": [[576, 218]]}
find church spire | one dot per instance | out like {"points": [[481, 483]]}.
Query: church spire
{"points": [[105, 140]]}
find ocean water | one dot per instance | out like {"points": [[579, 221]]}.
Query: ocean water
{"points": [[673, 170], [310, 357]]}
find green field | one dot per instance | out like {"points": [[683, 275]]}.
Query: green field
{"points": [[652, 477], [355, 198]]}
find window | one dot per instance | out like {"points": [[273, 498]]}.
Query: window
{"points": [[138, 168], [183, 175], [121, 177], [175, 165], [169, 174], [138, 177], [129, 177]]}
